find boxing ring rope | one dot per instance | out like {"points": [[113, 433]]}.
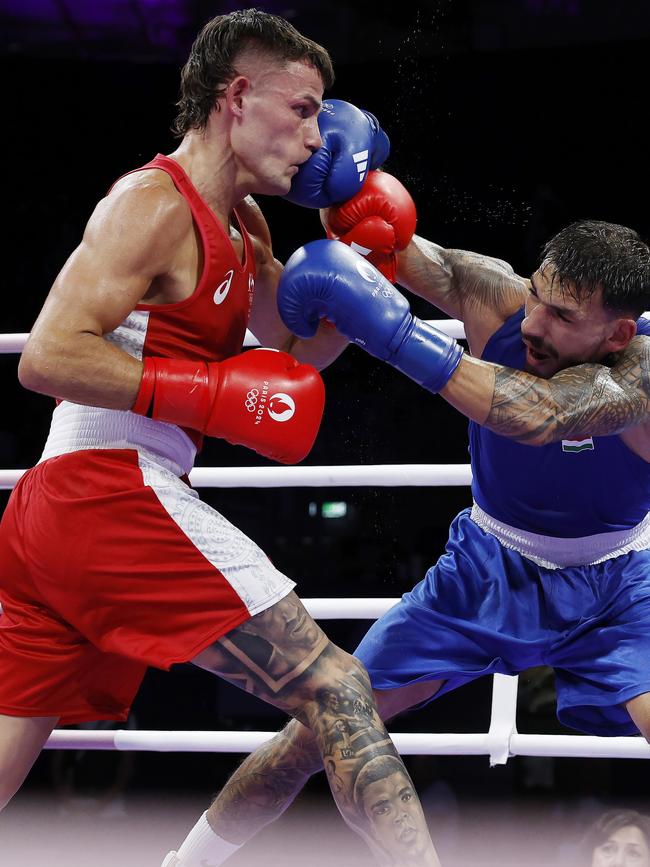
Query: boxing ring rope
{"points": [[452, 327], [378, 475], [500, 742], [12, 342]]}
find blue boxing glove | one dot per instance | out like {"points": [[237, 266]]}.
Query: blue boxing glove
{"points": [[353, 143], [328, 279]]}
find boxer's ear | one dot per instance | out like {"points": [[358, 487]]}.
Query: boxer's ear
{"points": [[236, 93], [621, 331]]}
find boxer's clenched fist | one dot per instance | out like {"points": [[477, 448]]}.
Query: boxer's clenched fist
{"points": [[263, 399], [326, 279], [353, 143], [378, 222]]}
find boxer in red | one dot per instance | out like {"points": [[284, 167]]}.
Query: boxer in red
{"points": [[109, 561]]}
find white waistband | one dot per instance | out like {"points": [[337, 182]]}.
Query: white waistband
{"points": [[553, 552], [76, 427]]}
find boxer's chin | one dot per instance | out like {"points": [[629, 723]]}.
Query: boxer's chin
{"points": [[540, 364]]}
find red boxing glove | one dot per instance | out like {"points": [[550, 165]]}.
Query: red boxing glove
{"points": [[263, 399], [377, 222]]}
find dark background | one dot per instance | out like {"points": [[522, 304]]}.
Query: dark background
{"points": [[507, 119]]}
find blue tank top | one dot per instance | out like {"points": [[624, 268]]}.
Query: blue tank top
{"points": [[563, 489]]}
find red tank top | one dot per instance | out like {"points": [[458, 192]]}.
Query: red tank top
{"points": [[210, 325]]}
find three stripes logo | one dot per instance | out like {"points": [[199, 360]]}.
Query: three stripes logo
{"points": [[575, 446], [361, 162]]}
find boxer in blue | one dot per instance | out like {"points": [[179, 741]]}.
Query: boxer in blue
{"points": [[552, 563]]}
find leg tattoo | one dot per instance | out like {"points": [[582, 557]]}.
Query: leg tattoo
{"points": [[265, 784], [284, 657]]}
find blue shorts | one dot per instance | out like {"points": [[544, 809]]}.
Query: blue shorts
{"points": [[484, 608]]}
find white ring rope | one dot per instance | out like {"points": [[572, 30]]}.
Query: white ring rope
{"points": [[499, 743], [379, 475], [452, 327], [407, 743], [13, 342]]}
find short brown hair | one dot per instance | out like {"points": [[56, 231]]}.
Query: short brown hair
{"points": [[211, 64]]}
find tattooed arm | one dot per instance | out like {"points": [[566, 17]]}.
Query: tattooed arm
{"points": [[479, 290], [585, 400]]}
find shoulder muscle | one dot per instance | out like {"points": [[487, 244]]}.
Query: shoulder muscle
{"points": [[137, 227]]}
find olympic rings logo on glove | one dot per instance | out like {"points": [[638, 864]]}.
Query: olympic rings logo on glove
{"points": [[251, 399]]}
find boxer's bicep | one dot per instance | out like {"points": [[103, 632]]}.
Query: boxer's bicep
{"points": [[129, 240], [632, 369], [264, 321], [481, 291], [581, 401], [484, 285], [458, 281], [254, 221], [423, 269], [126, 244]]}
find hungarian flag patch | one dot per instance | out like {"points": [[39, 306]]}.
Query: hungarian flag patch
{"points": [[578, 445]]}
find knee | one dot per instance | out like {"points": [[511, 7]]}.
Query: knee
{"points": [[349, 667], [339, 680], [349, 672], [639, 711]]}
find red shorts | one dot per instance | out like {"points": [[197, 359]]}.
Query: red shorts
{"points": [[110, 563]]}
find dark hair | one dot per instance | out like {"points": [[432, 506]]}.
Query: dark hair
{"points": [[589, 255], [376, 769], [211, 64], [608, 824]]}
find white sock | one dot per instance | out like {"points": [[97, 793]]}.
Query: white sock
{"points": [[203, 848]]}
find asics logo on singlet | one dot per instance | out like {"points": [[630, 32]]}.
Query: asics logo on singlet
{"points": [[281, 406], [223, 288], [251, 399], [370, 275], [361, 162]]}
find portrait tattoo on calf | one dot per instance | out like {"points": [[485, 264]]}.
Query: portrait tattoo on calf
{"points": [[283, 657]]}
